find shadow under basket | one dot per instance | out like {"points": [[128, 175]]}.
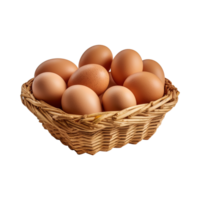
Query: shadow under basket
{"points": [[101, 131]]}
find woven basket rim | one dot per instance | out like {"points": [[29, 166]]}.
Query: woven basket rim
{"points": [[47, 112]]}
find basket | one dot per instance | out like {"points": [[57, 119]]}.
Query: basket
{"points": [[101, 131]]}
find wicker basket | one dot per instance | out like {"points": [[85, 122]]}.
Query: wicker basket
{"points": [[101, 131]]}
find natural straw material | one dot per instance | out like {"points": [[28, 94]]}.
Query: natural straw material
{"points": [[101, 131]]}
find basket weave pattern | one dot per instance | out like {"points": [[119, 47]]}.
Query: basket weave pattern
{"points": [[101, 131]]}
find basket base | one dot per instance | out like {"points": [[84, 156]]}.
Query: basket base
{"points": [[80, 152], [135, 143]]}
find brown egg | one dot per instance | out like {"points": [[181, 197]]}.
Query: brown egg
{"points": [[154, 68], [100, 98], [118, 98], [49, 87], [97, 54], [111, 81], [93, 76], [62, 67], [145, 86], [80, 100], [125, 63]]}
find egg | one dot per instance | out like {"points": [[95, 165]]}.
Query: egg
{"points": [[125, 63], [118, 98], [93, 76], [80, 100], [97, 54], [49, 87], [145, 86], [111, 83], [155, 68], [62, 67]]}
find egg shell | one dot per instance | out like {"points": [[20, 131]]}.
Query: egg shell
{"points": [[145, 86], [100, 98], [98, 54], [125, 63], [62, 67], [153, 67], [80, 100], [93, 76], [111, 81], [118, 98], [49, 87]]}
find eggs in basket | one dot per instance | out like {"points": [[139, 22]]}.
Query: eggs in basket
{"points": [[100, 82]]}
